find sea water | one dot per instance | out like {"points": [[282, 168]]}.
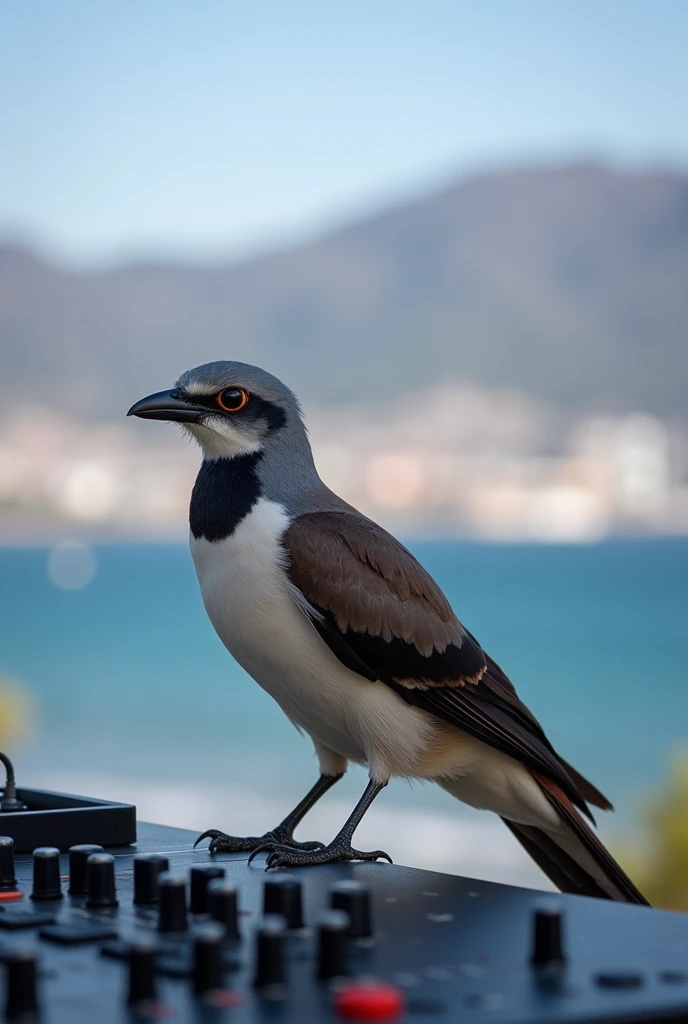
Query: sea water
{"points": [[134, 696]]}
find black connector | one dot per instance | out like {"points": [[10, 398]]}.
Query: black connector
{"points": [[9, 801]]}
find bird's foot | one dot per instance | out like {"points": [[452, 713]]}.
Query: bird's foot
{"points": [[222, 843], [337, 852]]}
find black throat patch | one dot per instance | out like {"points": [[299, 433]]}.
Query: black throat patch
{"points": [[224, 493]]}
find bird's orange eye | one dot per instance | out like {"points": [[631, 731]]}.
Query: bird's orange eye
{"points": [[232, 399]]}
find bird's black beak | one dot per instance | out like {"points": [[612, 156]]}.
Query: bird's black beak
{"points": [[167, 405]]}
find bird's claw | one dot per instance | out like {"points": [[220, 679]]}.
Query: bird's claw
{"points": [[288, 857], [222, 843], [274, 843]]}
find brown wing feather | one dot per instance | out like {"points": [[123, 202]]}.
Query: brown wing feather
{"points": [[370, 588], [586, 789]]}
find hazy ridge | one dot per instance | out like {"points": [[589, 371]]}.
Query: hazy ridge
{"points": [[569, 284]]}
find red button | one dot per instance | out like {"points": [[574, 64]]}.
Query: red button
{"points": [[369, 1000], [13, 895]]}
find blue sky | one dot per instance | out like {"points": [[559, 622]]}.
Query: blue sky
{"points": [[200, 129]]}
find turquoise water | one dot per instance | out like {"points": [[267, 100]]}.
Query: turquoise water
{"points": [[128, 676]]}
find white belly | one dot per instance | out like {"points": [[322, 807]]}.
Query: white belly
{"points": [[247, 596]]}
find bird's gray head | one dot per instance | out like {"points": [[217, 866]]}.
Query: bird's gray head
{"points": [[248, 424], [231, 409]]}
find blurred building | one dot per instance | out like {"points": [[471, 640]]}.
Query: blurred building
{"points": [[450, 461]]}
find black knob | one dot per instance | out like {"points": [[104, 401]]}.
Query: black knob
{"points": [[20, 999], [141, 972], [46, 874], [147, 870], [78, 874], [333, 932], [201, 876], [207, 958], [223, 907], [8, 880], [172, 915], [270, 952], [547, 938], [282, 895], [354, 899], [100, 872]]}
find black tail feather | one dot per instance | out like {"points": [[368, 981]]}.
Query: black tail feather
{"points": [[569, 873], [590, 842], [560, 868]]}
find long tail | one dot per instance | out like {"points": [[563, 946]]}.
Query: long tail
{"points": [[572, 856]]}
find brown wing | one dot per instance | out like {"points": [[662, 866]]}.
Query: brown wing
{"points": [[376, 606], [385, 618]]}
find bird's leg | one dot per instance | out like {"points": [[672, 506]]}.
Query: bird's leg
{"points": [[340, 849], [283, 835]]}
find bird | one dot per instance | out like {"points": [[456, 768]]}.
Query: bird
{"points": [[356, 642]]}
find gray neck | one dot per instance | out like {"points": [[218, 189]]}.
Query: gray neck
{"points": [[288, 475]]}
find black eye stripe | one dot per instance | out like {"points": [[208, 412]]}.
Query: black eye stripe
{"points": [[207, 401], [256, 409]]}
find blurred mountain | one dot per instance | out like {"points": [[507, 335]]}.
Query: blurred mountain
{"points": [[568, 284]]}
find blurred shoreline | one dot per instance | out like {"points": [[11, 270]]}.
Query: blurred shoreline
{"points": [[52, 538], [454, 461]]}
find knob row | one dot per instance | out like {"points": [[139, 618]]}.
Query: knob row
{"points": [[21, 1001], [282, 896], [92, 874], [208, 968], [270, 952]]}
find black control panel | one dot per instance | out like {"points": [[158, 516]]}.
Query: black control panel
{"points": [[161, 932]]}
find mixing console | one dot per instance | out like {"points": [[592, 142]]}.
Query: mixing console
{"points": [[161, 931]]}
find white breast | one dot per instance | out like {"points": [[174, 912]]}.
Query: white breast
{"points": [[254, 610], [243, 583]]}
